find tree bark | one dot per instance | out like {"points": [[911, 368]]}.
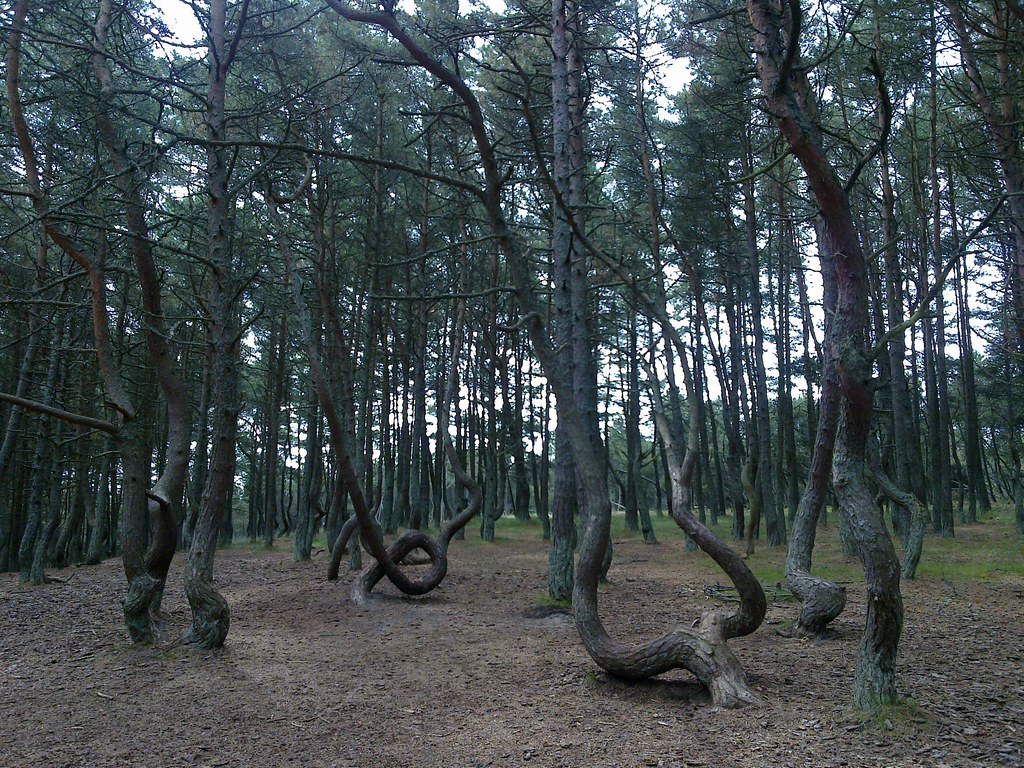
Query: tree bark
{"points": [[701, 651], [766, 501], [776, 45], [210, 614], [165, 497]]}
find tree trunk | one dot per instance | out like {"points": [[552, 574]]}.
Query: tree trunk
{"points": [[164, 507], [569, 276], [775, 522], [702, 651], [941, 482], [1002, 119], [16, 414], [788, 97], [275, 390], [312, 477], [210, 614]]}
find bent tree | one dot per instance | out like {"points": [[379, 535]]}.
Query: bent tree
{"points": [[846, 363], [145, 589], [145, 568], [387, 558], [699, 651], [210, 614]]}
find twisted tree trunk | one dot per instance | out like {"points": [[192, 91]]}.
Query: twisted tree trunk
{"points": [[146, 591], [210, 614], [702, 650]]}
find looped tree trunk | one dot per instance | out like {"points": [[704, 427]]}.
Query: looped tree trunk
{"points": [[435, 549], [387, 564], [410, 540], [702, 650], [340, 546]]}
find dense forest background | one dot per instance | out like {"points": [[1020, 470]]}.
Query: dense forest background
{"points": [[329, 259]]}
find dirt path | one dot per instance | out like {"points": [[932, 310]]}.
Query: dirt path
{"points": [[476, 675]]}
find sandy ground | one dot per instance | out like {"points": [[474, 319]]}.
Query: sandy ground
{"points": [[476, 674]]}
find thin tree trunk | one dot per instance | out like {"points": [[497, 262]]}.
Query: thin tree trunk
{"points": [[775, 522], [210, 614], [37, 530]]}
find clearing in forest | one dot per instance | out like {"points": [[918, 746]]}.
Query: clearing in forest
{"points": [[482, 673]]}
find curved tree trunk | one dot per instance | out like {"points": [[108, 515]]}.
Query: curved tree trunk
{"points": [[387, 558], [145, 592], [776, 44], [135, 453], [679, 648], [820, 599], [916, 514]]}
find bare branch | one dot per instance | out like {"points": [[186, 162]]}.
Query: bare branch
{"points": [[60, 413]]}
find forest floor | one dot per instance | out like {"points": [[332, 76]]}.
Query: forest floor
{"points": [[481, 673]]}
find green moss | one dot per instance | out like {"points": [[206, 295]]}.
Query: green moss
{"points": [[544, 600], [174, 653], [903, 718]]}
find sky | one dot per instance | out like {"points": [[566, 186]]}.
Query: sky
{"points": [[182, 22], [180, 19]]}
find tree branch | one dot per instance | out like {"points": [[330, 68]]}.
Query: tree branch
{"points": [[60, 413]]}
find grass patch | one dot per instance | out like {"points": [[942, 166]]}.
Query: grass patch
{"points": [[990, 550], [174, 653], [544, 600]]}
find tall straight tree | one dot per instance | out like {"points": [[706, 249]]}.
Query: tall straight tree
{"points": [[990, 37], [569, 275], [775, 522], [210, 613]]}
